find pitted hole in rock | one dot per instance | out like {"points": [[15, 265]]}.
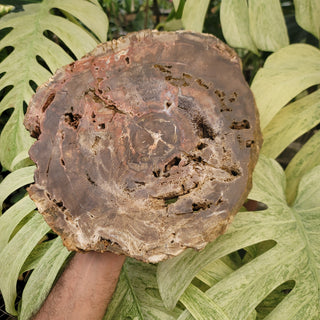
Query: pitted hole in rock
{"points": [[93, 117], [220, 94], [101, 126], [219, 201], [72, 119], [201, 146], [90, 179], [162, 68], [97, 139], [240, 125], [48, 101], [168, 104], [59, 204], [226, 109], [201, 206], [202, 84], [62, 162], [176, 81], [204, 129], [249, 143], [174, 162], [235, 173], [127, 60], [232, 171], [156, 173], [171, 200], [187, 75]]}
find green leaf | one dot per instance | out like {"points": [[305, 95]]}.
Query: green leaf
{"points": [[201, 306], [214, 272], [28, 39], [176, 4], [4, 9], [14, 181], [234, 17], [307, 15], [295, 256], [305, 160], [35, 256], [42, 278], [13, 256], [267, 26], [137, 295], [12, 217], [194, 14], [290, 123], [285, 74]]}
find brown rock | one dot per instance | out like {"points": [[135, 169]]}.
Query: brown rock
{"points": [[146, 146]]}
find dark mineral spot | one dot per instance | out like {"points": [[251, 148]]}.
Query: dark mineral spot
{"points": [[72, 119], [168, 104], [48, 101], [239, 125], [62, 162], [127, 59]]}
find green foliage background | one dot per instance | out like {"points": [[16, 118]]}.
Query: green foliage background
{"points": [[267, 264]]}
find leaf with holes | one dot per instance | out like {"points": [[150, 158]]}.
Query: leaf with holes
{"points": [[22, 245], [41, 39], [285, 74], [294, 257], [42, 278], [22, 232], [137, 295], [290, 123], [303, 161]]}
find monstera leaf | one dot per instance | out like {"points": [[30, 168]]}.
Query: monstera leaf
{"points": [[295, 256], [254, 24], [23, 247], [41, 39]]}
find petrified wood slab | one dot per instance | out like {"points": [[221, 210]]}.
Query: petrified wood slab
{"points": [[146, 146]]}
